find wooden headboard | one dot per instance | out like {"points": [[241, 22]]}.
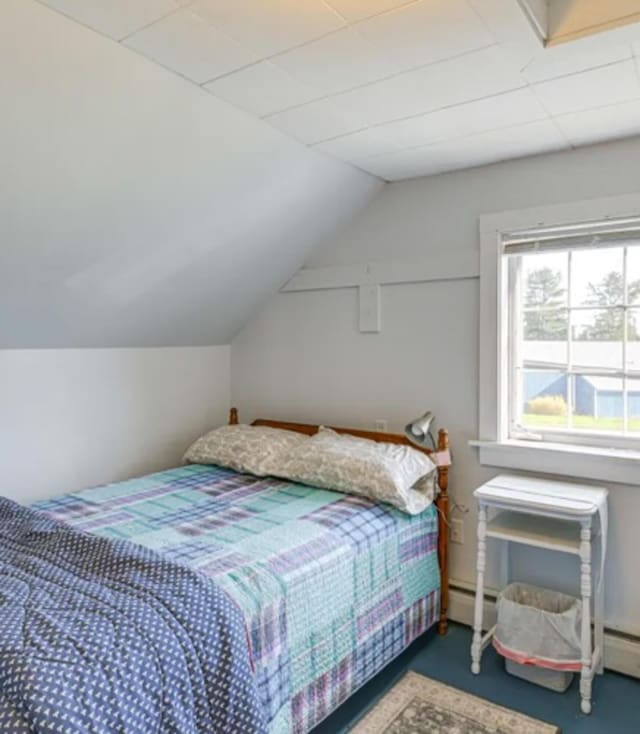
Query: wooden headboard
{"points": [[442, 500]]}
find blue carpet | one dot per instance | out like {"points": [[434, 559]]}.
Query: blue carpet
{"points": [[616, 698]]}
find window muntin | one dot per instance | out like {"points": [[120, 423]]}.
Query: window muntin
{"points": [[574, 335]]}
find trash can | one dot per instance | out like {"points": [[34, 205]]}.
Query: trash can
{"points": [[538, 633]]}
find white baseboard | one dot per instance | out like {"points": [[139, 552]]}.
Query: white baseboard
{"points": [[621, 652]]}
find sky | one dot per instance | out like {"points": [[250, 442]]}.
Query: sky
{"points": [[588, 266]]}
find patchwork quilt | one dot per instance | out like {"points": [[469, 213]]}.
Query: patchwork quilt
{"points": [[331, 587], [103, 636]]}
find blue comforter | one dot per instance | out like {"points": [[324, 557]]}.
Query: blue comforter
{"points": [[98, 635]]}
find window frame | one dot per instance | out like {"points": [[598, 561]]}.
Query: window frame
{"points": [[494, 369]]}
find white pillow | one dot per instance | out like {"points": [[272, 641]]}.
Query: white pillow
{"points": [[384, 472], [258, 450]]}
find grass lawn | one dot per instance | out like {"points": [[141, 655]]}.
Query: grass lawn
{"points": [[587, 422]]}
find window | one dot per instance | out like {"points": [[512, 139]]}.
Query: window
{"points": [[572, 333], [559, 381]]}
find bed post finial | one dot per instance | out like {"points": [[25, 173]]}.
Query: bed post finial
{"points": [[442, 503], [233, 417], [443, 473]]}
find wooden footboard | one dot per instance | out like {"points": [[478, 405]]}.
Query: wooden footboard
{"points": [[442, 500]]}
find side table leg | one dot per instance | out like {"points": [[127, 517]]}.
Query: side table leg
{"points": [[476, 645], [598, 622], [586, 677], [505, 564]]}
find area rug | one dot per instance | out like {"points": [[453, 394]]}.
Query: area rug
{"points": [[419, 705]]}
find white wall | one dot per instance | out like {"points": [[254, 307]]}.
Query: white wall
{"points": [[302, 357], [137, 209], [70, 419]]}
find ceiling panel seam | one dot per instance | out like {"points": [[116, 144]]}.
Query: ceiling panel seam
{"points": [[525, 85], [395, 75]]}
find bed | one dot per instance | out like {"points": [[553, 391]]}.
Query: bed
{"points": [[330, 587]]}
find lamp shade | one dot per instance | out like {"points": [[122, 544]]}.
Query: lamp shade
{"points": [[418, 431]]}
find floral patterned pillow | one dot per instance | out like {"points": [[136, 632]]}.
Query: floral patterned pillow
{"points": [[383, 472], [258, 450]]}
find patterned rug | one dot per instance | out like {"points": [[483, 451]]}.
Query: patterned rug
{"points": [[419, 705]]}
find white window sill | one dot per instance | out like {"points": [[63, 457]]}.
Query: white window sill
{"points": [[620, 466]]}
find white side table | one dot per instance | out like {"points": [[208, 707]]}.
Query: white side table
{"points": [[558, 516]]}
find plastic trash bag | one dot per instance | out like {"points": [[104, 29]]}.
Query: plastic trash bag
{"points": [[539, 627]]}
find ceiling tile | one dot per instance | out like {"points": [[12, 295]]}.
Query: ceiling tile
{"points": [[116, 18], [476, 150], [426, 31], [510, 27], [337, 62], [491, 113], [185, 43], [270, 26], [359, 145], [520, 140], [570, 58], [262, 89], [398, 87], [589, 89], [315, 122], [604, 123], [472, 76], [358, 9]]}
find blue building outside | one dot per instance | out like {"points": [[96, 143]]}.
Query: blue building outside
{"points": [[600, 397]]}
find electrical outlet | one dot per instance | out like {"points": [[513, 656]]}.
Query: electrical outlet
{"points": [[457, 531], [381, 425]]}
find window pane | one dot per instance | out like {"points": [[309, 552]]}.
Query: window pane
{"points": [[547, 350], [544, 399], [545, 317], [545, 280], [633, 274], [633, 337], [597, 338], [545, 325], [633, 405], [585, 335], [596, 277], [598, 404]]}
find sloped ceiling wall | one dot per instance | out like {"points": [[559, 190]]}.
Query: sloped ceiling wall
{"points": [[135, 209]]}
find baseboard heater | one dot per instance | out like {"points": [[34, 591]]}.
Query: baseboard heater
{"points": [[621, 651]]}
